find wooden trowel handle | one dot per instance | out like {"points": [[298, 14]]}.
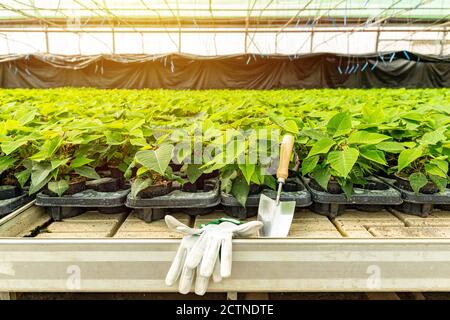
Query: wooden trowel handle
{"points": [[285, 156]]}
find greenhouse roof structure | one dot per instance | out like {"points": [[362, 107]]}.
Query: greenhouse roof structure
{"points": [[224, 27]]}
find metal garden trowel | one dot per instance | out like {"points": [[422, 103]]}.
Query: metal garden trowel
{"points": [[275, 215]]}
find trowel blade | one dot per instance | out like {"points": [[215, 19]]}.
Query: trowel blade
{"points": [[276, 219]]}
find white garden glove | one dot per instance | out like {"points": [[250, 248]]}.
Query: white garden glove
{"points": [[199, 252]]}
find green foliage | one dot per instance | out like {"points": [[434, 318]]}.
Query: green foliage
{"points": [[55, 135]]}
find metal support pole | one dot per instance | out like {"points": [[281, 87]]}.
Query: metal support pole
{"points": [[444, 36], [113, 41], [377, 40], [245, 42], [312, 41], [47, 48]]}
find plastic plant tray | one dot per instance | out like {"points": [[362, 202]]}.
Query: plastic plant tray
{"points": [[194, 203], [301, 197], [72, 205], [365, 199], [9, 205], [420, 204]]}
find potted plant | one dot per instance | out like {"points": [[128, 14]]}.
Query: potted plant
{"points": [[342, 156], [153, 176]]}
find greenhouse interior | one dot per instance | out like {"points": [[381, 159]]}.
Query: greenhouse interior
{"points": [[225, 150]]}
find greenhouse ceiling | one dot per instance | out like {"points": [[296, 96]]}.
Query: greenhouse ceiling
{"points": [[221, 12], [219, 27]]}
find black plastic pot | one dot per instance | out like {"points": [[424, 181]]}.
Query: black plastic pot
{"points": [[333, 186], [12, 198], [371, 197], [419, 204], [104, 184], [192, 203], [403, 184], [74, 187], [68, 206], [156, 190], [293, 190]]}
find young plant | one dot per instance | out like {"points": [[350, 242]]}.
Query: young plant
{"points": [[152, 168], [342, 153]]}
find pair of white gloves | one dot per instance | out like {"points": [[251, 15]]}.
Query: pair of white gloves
{"points": [[205, 252]]}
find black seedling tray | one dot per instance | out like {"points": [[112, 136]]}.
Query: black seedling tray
{"points": [[420, 204], [12, 198], [72, 205], [192, 203], [233, 208], [332, 205]]}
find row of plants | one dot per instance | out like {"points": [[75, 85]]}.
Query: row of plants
{"points": [[56, 139]]}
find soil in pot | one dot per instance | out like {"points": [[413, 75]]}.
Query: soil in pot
{"points": [[156, 190], [76, 185], [104, 184], [255, 189], [207, 185], [291, 186], [333, 186], [372, 185], [403, 183], [206, 176], [8, 179], [112, 172], [190, 187], [175, 167]]}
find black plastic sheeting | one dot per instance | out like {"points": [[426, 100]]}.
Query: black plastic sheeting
{"points": [[247, 71]]}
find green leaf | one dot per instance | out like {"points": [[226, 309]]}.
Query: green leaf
{"points": [[40, 175], [23, 176], [58, 187], [58, 162], [182, 151], [441, 164], [390, 146], [309, 164], [80, 161], [321, 146], [193, 172], [373, 155], [417, 180], [9, 147], [433, 169], [48, 149], [157, 160], [138, 185], [247, 170], [433, 137], [322, 176], [343, 161], [407, 156], [6, 163], [114, 138], [140, 142], [440, 182], [270, 181], [240, 190], [340, 124], [346, 186], [87, 172], [364, 137], [288, 125]]}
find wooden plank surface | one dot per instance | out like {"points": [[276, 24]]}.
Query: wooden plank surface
{"points": [[437, 218], [23, 223], [355, 224], [91, 224], [134, 227]]}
